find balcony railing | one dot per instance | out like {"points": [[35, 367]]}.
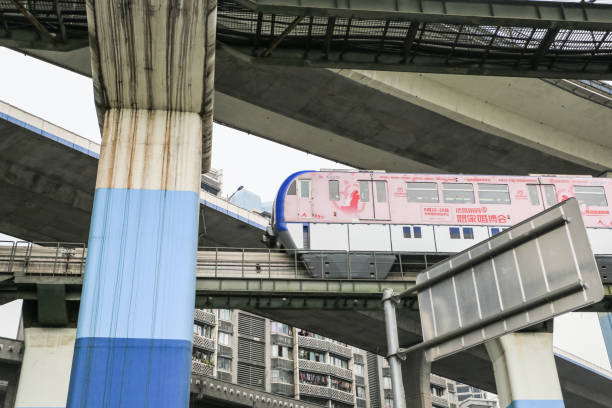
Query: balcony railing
{"points": [[324, 345], [199, 368], [205, 317], [203, 342]]}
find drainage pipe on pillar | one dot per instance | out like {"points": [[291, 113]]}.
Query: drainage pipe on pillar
{"points": [[399, 399]]}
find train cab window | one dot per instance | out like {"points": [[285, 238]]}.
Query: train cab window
{"points": [[468, 233], [422, 192], [591, 195], [455, 233], [305, 189], [417, 232], [407, 233], [381, 191], [292, 188], [458, 193], [534, 194], [550, 195], [334, 190], [493, 194], [364, 191]]}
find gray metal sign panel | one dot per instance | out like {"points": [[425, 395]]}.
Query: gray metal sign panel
{"points": [[538, 269]]}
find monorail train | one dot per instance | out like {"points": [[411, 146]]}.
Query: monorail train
{"points": [[418, 213]]}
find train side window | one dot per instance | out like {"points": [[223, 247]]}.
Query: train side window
{"points": [[422, 192], [305, 189], [406, 232], [468, 233], [417, 232], [458, 193], [550, 196], [534, 194], [494, 231], [334, 190], [364, 191], [381, 191], [591, 195], [454, 233], [291, 189], [493, 194]]}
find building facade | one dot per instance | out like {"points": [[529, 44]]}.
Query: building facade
{"points": [[249, 350]]}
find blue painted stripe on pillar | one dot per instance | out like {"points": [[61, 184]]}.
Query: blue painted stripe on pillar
{"points": [[140, 272], [537, 404], [605, 321], [130, 373]]}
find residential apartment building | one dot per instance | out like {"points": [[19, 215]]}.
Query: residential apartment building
{"points": [[249, 350]]}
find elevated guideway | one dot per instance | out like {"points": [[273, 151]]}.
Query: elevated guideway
{"points": [[386, 118], [47, 177], [276, 285]]}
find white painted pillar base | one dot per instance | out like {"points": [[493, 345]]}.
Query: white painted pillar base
{"points": [[525, 371], [416, 372], [45, 371]]}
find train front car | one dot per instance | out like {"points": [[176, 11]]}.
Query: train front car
{"points": [[373, 213]]}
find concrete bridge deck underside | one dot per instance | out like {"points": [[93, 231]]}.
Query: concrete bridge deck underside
{"points": [[407, 121]]}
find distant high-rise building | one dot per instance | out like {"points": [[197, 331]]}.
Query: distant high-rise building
{"points": [[249, 350], [212, 181], [250, 201]]}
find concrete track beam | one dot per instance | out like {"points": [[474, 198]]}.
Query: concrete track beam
{"points": [[525, 371]]}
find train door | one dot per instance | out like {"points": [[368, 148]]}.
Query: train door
{"points": [[304, 205], [535, 198], [541, 197], [381, 200], [374, 196]]}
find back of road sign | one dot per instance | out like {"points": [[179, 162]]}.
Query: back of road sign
{"points": [[498, 287]]}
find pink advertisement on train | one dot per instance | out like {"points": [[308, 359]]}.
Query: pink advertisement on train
{"points": [[394, 198]]}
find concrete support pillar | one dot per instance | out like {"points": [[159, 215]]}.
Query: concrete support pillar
{"points": [[416, 372], [134, 337], [10, 373], [525, 371], [45, 371]]}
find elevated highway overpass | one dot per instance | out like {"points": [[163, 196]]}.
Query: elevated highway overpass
{"points": [[402, 121], [276, 285], [47, 178]]}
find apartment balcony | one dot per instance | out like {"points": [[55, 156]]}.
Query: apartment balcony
{"points": [[203, 343], [324, 345], [315, 391], [281, 363], [340, 350], [208, 318], [437, 381], [312, 343], [282, 339], [341, 373], [313, 366], [342, 396], [439, 401], [283, 389], [199, 368], [324, 368]]}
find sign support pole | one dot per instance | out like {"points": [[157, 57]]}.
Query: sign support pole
{"points": [[399, 398]]}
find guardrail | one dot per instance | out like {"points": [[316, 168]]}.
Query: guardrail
{"points": [[68, 259]]}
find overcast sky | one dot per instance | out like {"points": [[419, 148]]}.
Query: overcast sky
{"points": [[66, 99]]}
